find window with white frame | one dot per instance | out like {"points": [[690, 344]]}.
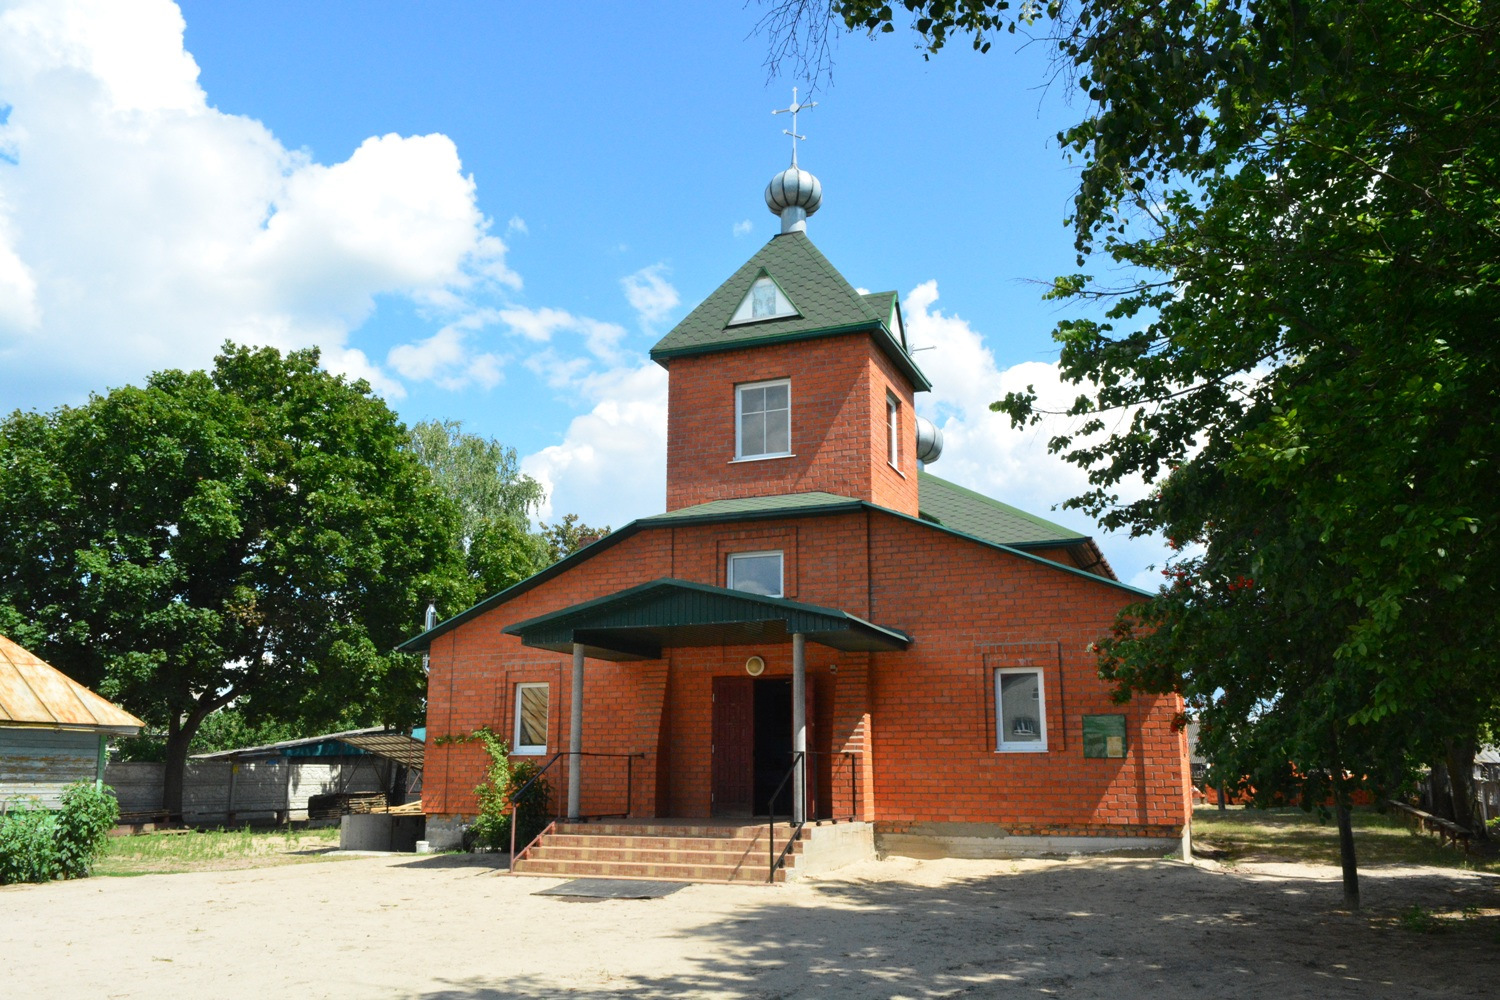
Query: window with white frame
{"points": [[755, 573], [531, 719], [1020, 709], [763, 419], [893, 430]]}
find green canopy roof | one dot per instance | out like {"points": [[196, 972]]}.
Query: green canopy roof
{"points": [[826, 305], [637, 624]]}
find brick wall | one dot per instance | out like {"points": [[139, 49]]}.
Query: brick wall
{"points": [[922, 720], [838, 419]]}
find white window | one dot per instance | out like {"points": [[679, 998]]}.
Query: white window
{"points": [[765, 300], [531, 719], [755, 573], [763, 419], [893, 430], [1020, 710]]}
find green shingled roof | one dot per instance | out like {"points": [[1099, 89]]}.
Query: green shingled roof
{"points": [[826, 305], [975, 514], [755, 505]]}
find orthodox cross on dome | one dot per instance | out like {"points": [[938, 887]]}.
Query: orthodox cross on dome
{"points": [[796, 107]]}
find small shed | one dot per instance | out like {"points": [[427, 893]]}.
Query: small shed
{"points": [[53, 730], [318, 777]]}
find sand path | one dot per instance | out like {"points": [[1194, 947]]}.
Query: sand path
{"points": [[449, 928]]}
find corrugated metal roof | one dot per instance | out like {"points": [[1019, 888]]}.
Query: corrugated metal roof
{"points": [[35, 693], [376, 740], [639, 622], [826, 304]]}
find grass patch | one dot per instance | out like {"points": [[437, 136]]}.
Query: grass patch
{"points": [[1294, 835], [165, 851]]}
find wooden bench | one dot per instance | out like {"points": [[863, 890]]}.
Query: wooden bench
{"points": [[1448, 832]]}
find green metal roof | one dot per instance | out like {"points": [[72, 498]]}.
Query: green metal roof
{"points": [[638, 623], [944, 506], [952, 506], [778, 503], [826, 305]]}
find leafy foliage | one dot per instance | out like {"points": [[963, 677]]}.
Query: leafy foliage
{"points": [[502, 780], [28, 845], [569, 535], [258, 532], [495, 502], [39, 845], [88, 813]]}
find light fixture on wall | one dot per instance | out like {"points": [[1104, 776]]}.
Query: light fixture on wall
{"points": [[755, 666]]}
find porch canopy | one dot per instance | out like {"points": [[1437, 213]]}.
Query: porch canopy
{"points": [[637, 624]]}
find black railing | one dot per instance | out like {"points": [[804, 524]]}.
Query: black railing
{"points": [[851, 757], [777, 860], [528, 789]]}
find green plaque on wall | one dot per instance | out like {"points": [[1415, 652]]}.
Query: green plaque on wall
{"points": [[1104, 735]]}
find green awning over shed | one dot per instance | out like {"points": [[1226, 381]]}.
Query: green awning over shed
{"points": [[637, 624]]}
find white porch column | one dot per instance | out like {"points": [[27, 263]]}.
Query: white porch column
{"points": [[575, 734], [799, 726]]}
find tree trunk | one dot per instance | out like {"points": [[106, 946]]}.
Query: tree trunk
{"points": [[1439, 795], [180, 732], [1346, 845], [177, 748], [1461, 785]]}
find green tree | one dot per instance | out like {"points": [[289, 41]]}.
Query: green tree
{"points": [[258, 532], [495, 500], [1305, 199], [569, 535]]}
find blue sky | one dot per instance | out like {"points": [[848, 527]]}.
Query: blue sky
{"points": [[492, 210]]}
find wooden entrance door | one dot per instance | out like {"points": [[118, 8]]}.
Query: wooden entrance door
{"points": [[734, 745]]}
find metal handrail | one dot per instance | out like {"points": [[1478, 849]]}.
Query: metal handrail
{"points": [[798, 757], [850, 756], [524, 790]]}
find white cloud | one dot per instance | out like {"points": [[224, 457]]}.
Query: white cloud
{"points": [[611, 465], [542, 324], [140, 227], [517, 225], [983, 452], [447, 358], [743, 228], [650, 294]]}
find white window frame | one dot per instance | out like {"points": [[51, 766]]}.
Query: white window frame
{"points": [[780, 575], [893, 430], [1032, 746], [530, 749], [739, 399]]}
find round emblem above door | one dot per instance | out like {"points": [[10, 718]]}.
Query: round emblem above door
{"points": [[755, 666]]}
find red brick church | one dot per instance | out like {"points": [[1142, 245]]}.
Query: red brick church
{"points": [[904, 663]]}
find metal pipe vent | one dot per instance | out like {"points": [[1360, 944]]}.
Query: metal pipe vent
{"points": [[929, 441]]}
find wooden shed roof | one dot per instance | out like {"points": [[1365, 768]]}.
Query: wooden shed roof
{"points": [[34, 693]]}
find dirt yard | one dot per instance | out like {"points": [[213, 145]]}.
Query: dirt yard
{"points": [[449, 928]]}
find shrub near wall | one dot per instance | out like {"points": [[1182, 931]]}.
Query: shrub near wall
{"points": [[39, 845]]}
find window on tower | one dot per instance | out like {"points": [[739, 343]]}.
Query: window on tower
{"points": [[893, 430], [763, 419]]}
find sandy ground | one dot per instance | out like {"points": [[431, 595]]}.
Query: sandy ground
{"points": [[449, 928]]}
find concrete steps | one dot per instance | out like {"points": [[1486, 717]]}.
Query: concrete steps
{"points": [[689, 852]]}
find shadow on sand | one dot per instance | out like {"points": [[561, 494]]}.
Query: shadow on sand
{"points": [[1107, 929]]}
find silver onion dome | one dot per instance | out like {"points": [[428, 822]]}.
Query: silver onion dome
{"points": [[794, 194]]}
